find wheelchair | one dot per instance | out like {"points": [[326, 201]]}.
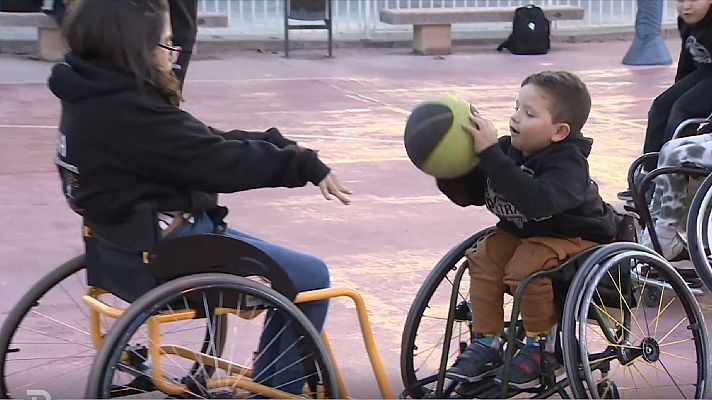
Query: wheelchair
{"points": [[698, 228], [630, 350], [629, 324], [185, 321]]}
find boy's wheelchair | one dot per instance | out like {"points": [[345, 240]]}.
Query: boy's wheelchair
{"points": [[629, 350], [624, 310], [196, 331]]}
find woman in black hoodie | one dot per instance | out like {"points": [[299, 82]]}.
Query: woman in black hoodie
{"points": [[123, 141], [689, 96]]}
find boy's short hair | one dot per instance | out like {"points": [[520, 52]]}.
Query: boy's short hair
{"points": [[570, 100]]}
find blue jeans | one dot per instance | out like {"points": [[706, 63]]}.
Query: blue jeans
{"points": [[307, 273]]}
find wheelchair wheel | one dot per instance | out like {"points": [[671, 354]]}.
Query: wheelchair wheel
{"points": [[425, 335], [44, 342], [641, 352], [699, 231], [293, 358]]}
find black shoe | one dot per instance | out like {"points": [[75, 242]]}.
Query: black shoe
{"points": [[625, 195], [526, 368], [475, 363], [637, 180]]}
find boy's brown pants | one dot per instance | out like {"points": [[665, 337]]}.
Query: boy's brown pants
{"points": [[502, 260]]}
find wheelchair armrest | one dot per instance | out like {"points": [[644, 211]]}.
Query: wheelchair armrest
{"points": [[196, 254]]}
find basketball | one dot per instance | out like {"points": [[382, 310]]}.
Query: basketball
{"points": [[435, 140]]}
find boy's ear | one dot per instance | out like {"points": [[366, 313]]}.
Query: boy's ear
{"points": [[562, 132]]}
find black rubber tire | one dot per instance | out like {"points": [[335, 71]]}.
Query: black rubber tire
{"points": [[23, 306], [417, 308], [151, 302], [584, 279], [696, 234]]}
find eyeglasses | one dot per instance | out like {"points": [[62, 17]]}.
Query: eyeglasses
{"points": [[170, 47]]}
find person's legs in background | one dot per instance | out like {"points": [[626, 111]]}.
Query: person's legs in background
{"points": [[658, 117], [694, 103], [184, 16], [667, 207]]}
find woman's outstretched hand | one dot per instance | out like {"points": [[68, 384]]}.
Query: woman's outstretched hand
{"points": [[331, 185]]}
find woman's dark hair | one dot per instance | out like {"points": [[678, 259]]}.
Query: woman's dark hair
{"points": [[123, 33]]}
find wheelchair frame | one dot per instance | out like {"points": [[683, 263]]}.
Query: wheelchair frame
{"points": [[97, 308], [641, 208], [590, 258]]}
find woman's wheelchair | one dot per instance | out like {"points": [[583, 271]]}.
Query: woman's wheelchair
{"points": [[212, 307]]}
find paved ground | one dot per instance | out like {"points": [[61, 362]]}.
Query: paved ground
{"points": [[353, 109]]}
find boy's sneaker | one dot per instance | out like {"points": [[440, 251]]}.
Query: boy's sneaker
{"points": [[625, 195], [475, 363], [525, 372]]}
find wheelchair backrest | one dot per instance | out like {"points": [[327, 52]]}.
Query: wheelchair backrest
{"points": [[117, 255], [129, 259]]}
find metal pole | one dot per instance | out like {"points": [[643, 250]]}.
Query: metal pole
{"points": [[648, 47]]}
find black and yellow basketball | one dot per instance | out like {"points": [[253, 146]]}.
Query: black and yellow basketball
{"points": [[435, 140]]}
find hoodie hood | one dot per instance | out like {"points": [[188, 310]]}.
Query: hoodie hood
{"points": [[77, 79], [583, 143]]}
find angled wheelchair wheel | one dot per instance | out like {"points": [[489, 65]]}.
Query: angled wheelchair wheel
{"points": [[44, 340], [699, 231], [430, 344], [289, 361], [629, 349]]}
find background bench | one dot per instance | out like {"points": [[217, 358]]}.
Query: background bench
{"points": [[432, 27], [51, 44]]}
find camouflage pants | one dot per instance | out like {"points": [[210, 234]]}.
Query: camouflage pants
{"points": [[668, 204]]}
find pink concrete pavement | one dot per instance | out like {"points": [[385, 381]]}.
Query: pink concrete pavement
{"points": [[353, 109]]}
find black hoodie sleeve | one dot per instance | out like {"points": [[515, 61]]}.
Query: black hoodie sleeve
{"points": [[465, 191], [183, 151], [272, 135], [469, 190], [685, 65], [559, 185]]}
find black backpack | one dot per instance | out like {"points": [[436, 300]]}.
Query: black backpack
{"points": [[530, 32], [20, 5]]}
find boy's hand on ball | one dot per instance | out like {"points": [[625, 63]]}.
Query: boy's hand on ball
{"points": [[331, 186], [483, 132]]}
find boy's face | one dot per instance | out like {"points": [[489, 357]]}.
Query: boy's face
{"points": [[531, 125], [692, 11]]}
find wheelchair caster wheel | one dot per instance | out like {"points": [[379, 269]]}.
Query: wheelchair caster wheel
{"points": [[651, 296], [607, 389]]}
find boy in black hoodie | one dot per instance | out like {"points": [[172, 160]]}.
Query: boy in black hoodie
{"points": [[537, 182], [689, 96]]}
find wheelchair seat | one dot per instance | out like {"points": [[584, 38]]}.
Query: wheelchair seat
{"points": [[130, 258]]}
